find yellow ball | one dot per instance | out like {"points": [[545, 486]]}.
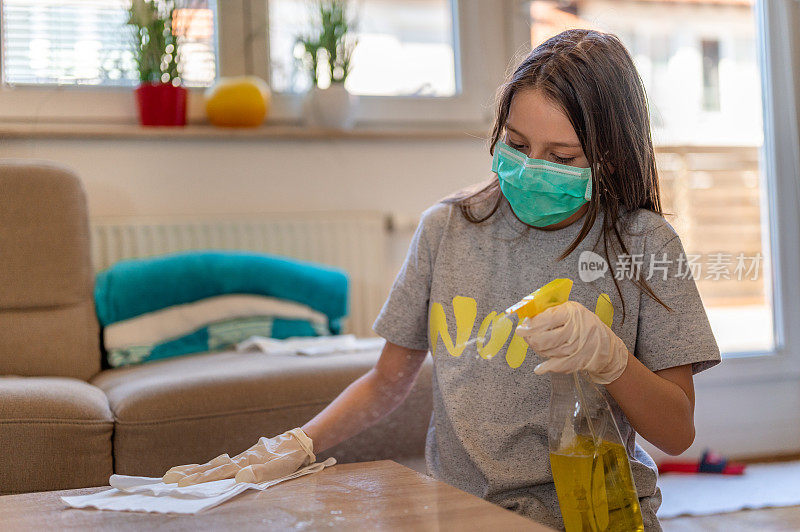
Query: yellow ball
{"points": [[238, 102]]}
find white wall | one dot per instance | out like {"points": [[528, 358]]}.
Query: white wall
{"points": [[237, 176], [166, 177]]}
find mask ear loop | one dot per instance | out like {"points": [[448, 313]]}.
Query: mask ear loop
{"points": [[590, 184], [588, 194]]}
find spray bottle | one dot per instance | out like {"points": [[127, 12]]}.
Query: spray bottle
{"points": [[590, 466]]}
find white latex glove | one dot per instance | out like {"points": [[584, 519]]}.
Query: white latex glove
{"points": [[266, 460], [572, 338]]}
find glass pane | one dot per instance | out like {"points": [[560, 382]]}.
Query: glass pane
{"points": [[698, 63], [86, 42], [404, 48]]}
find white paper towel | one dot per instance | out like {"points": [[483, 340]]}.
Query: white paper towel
{"points": [[146, 494], [311, 346]]}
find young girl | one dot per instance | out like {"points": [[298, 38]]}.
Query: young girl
{"points": [[575, 182]]}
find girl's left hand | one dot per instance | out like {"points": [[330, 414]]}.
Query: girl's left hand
{"points": [[572, 338]]}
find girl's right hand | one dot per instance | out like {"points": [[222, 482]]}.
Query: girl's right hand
{"points": [[266, 460], [572, 338]]}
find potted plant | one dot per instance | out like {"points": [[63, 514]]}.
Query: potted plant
{"points": [[160, 97], [326, 54]]}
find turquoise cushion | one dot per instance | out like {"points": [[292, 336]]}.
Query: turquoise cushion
{"points": [[134, 287]]}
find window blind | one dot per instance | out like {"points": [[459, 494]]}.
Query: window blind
{"points": [[86, 42]]}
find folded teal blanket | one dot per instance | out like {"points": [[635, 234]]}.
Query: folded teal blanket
{"points": [[134, 287], [214, 337]]}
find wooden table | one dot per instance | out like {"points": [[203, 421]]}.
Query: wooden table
{"points": [[381, 495]]}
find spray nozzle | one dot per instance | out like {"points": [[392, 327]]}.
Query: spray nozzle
{"points": [[553, 293]]}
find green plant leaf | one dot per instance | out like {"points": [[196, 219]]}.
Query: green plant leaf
{"points": [[332, 23], [154, 41]]}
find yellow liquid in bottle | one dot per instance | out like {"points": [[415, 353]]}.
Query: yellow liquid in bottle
{"points": [[596, 493]]}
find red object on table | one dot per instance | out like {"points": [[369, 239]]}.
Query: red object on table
{"points": [[710, 463], [161, 104]]}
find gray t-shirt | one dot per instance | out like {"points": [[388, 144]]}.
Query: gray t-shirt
{"points": [[488, 431]]}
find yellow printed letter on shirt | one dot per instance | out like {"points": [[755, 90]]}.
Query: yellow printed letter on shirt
{"points": [[465, 310], [501, 328]]}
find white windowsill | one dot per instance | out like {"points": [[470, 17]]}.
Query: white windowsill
{"points": [[106, 131]]}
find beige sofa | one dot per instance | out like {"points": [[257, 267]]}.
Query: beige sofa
{"points": [[65, 423]]}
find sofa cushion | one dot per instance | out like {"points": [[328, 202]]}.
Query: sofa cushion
{"points": [[55, 433], [189, 410], [55, 341], [46, 273]]}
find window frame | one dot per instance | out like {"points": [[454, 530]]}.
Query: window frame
{"points": [[243, 48]]}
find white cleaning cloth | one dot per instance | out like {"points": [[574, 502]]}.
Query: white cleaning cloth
{"points": [[320, 345], [146, 494]]}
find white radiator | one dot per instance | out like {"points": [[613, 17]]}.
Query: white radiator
{"points": [[353, 241]]}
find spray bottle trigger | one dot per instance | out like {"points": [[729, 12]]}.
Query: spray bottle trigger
{"points": [[604, 309]]}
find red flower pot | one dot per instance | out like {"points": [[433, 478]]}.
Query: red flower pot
{"points": [[161, 104]]}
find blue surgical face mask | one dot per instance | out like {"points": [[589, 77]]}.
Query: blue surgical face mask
{"points": [[541, 193]]}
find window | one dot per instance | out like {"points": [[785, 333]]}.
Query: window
{"points": [[709, 163], [710, 49], [404, 48], [86, 42], [659, 55], [407, 69]]}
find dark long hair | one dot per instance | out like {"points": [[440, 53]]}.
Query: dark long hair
{"points": [[591, 76]]}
